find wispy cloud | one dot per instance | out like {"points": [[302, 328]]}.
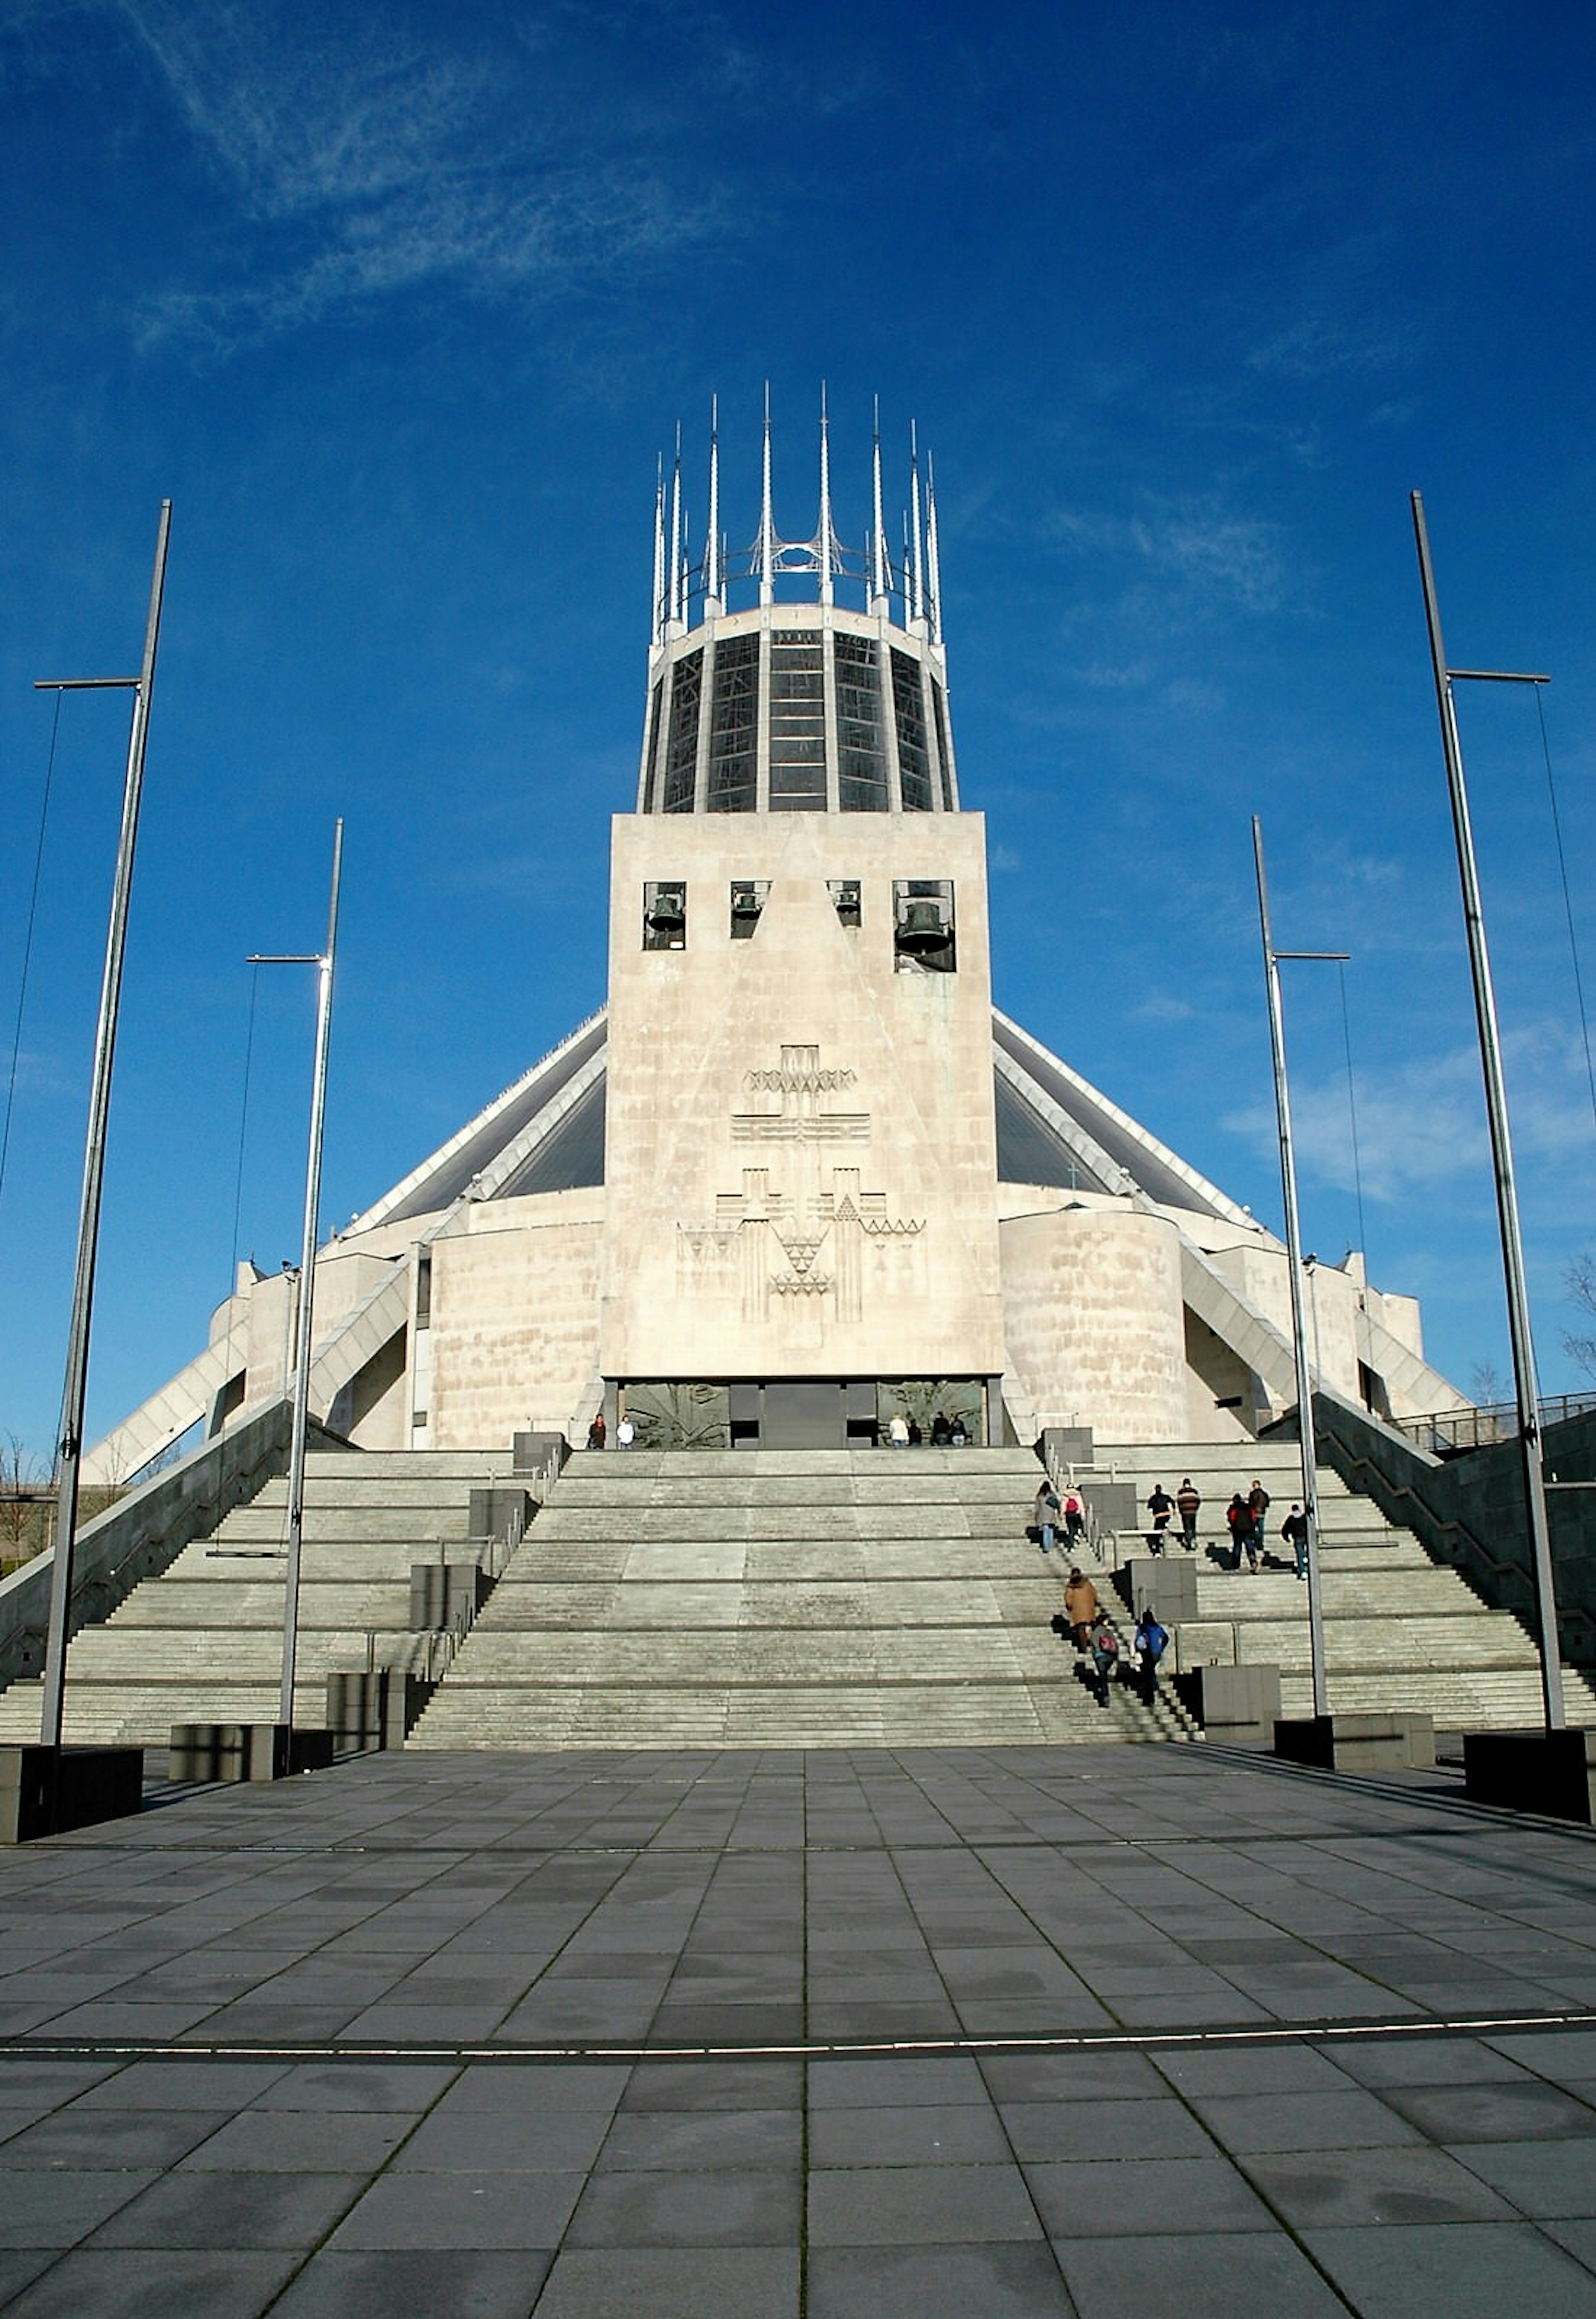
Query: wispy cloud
{"points": [[1324, 343], [1195, 547], [1163, 1006], [361, 162], [1422, 1124]]}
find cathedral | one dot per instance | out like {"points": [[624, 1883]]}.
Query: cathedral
{"points": [[799, 1174]]}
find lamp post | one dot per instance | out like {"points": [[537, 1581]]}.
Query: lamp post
{"points": [[322, 961], [70, 1452], [1502, 1149], [1294, 1259]]}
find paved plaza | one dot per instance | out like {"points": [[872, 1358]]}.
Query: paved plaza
{"points": [[1107, 2030]]}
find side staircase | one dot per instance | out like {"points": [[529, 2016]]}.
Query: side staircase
{"points": [[203, 1643], [779, 1599], [1401, 1632]]}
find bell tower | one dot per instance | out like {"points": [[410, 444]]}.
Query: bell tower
{"points": [[800, 1162]]}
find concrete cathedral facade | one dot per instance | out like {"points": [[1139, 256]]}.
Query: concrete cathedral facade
{"points": [[799, 1173]]}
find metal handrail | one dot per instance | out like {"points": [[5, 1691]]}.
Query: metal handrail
{"points": [[1482, 1428], [1363, 1476], [1060, 1471]]}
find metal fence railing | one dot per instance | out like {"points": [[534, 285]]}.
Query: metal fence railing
{"points": [[1446, 1432]]}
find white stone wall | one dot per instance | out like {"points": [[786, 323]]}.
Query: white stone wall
{"points": [[1095, 1322], [801, 1153], [513, 1333]]}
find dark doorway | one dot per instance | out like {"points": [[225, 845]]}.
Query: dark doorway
{"points": [[802, 1414]]}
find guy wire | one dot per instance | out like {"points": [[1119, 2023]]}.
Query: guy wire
{"points": [[232, 1277], [1578, 986], [1352, 1109], [22, 996]]}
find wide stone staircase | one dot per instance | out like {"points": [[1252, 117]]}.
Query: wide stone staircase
{"points": [[846, 1598], [784, 1599], [203, 1643], [1401, 1632]]}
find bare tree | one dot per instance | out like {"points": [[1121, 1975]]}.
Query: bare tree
{"points": [[22, 1483], [1579, 1285], [1486, 1385]]}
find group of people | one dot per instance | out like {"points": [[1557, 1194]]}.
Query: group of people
{"points": [[1246, 1518], [1186, 1503], [1088, 1627], [1053, 1513], [904, 1431], [626, 1433]]}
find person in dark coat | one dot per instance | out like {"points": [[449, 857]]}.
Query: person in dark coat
{"points": [[1160, 1506], [1293, 1530], [1240, 1523], [1258, 1507]]}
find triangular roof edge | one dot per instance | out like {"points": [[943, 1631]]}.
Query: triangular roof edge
{"points": [[432, 1185], [1141, 1139]]}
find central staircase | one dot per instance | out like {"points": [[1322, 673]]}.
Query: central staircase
{"points": [[779, 1598]]}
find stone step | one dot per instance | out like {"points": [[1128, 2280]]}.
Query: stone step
{"points": [[1482, 1701], [336, 1525], [831, 1715], [742, 1655], [142, 1715], [1433, 1644]]}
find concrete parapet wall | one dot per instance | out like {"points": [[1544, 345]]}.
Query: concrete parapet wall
{"points": [[144, 1534], [1470, 1515]]}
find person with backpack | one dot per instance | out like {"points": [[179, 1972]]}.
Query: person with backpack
{"points": [[1106, 1658], [1074, 1521], [1152, 1642], [1240, 1523], [1258, 1507]]}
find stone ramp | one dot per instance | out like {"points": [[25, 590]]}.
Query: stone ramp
{"points": [[777, 1598], [203, 1643], [1403, 1633]]}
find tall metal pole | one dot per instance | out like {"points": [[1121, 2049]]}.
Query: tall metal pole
{"points": [[70, 1452], [307, 1285], [1502, 1150], [1294, 1262]]}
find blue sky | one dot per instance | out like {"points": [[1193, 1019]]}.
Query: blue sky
{"points": [[399, 305]]}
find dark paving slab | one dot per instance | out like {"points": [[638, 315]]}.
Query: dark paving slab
{"points": [[1039, 2031]]}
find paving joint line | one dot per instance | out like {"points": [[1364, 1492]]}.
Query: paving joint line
{"points": [[461, 2054]]}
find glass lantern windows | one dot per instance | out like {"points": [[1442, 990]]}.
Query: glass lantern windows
{"points": [[861, 747], [798, 721], [734, 726]]}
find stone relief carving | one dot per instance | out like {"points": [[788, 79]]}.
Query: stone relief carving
{"points": [[800, 1081], [766, 1243]]}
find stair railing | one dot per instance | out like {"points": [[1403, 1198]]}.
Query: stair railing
{"points": [[1060, 1473], [1450, 1541]]}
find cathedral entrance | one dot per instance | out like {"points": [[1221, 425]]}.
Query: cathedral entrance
{"points": [[801, 1413]]}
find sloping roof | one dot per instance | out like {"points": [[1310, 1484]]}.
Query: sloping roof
{"points": [[546, 1133], [506, 1131]]}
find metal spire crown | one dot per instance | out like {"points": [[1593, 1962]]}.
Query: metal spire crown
{"points": [[683, 590]]}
